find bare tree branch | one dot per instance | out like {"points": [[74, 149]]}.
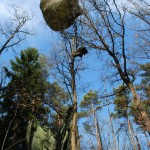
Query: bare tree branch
{"points": [[12, 32]]}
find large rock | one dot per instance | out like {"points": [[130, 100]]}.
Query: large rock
{"points": [[60, 14], [39, 138]]}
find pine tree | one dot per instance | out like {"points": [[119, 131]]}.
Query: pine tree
{"points": [[122, 102], [22, 98], [89, 105], [57, 99]]}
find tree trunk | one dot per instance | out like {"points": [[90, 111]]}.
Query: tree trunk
{"points": [[78, 140], [134, 93], [99, 142], [74, 132], [74, 129], [113, 133], [131, 135], [142, 117], [148, 142], [136, 138]]}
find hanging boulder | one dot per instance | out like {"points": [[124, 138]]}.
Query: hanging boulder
{"points": [[60, 14]]}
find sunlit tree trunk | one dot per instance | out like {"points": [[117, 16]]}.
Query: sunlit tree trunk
{"points": [[136, 137], [98, 137], [113, 132], [131, 135], [74, 129], [78, 140]]}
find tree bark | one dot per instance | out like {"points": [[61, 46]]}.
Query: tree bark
{"points": [[74, 129], [99, 142], [78, 140], [131, 135], [113, 132], [136, 138]]}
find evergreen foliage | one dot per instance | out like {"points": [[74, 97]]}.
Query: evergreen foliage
{"points": [[91, 98], [88, 105], [22, 98], [122, 102]]}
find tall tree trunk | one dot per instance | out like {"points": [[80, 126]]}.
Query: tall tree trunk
{"points": [[136, 138], [98, 137], [142, 117], [78, 140], [131, 135], [113, 132], [74, 129], [74, 132], [134, 93]]}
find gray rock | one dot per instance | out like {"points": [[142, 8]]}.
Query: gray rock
{"points": [[60, 14]]}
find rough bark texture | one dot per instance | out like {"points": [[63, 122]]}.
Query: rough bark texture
{"points": [[60, 14], [112, 129], [142, 117], [74, 129], [99, 142], [131, 135], [74, 133]]}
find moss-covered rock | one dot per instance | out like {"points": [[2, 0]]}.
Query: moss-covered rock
{"points": [[60, 14]]}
